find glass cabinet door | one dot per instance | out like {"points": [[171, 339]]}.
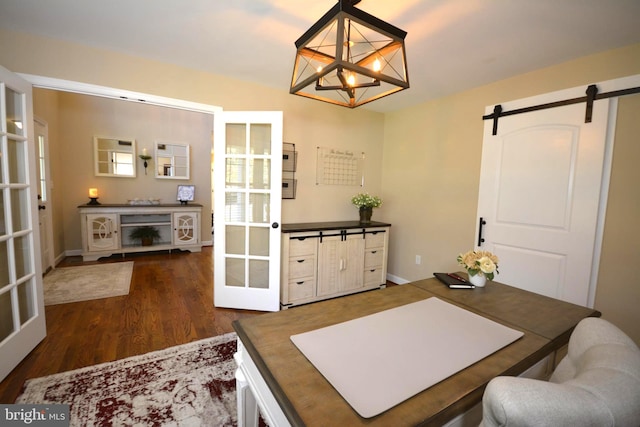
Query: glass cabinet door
{"points": [[185, 229], [102, 232]]}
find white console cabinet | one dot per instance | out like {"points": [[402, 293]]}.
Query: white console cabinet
{"points": [[326, 260], [106, 228]]}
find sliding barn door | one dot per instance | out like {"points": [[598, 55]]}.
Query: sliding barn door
{"points": [[540, 192]]}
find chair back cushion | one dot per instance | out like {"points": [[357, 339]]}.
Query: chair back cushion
{"points": [[596, 384]]}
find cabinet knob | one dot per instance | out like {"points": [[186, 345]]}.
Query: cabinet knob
{"points": [[275, 225]]}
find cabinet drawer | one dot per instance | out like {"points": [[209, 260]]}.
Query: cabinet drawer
{"points": [[301, 289], [298, 247], [301, 267], [373, 258], [374, 240], [373, 276]]}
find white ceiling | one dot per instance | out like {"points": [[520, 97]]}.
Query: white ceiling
{"points": [[452, 45]]}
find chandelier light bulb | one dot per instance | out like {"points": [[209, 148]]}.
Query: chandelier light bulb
{"points": [[376, 65], [351, 80]]}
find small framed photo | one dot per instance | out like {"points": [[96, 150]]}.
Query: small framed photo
{"points": [[186, 193]]}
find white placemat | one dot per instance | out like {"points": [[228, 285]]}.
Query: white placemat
{"points": [[378, 361]]}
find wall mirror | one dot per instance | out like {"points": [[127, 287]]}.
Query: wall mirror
{"points": [[172, 160], [114, 157]]}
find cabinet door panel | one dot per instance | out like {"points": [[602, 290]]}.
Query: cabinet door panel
{"points": [[102, 232], [353, 263], [329, 266]]}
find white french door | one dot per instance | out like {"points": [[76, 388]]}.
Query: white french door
{"points": [[247, 201], [22, 321], [540, 192], [43, 177]]}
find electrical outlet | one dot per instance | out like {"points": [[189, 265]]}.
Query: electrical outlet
{"points": [[418, 259]]}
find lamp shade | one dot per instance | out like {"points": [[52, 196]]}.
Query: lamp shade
{"points": [[350, 58]]}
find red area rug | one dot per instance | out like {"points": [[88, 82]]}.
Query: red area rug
{"points": [[186, 385]]}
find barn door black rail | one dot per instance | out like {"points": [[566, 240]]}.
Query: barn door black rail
{"points": [[591, 96]]}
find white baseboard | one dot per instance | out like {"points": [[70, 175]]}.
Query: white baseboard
{"points": [[396, 279]]}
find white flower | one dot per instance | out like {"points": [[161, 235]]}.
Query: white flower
{"points": [[486, 265]]}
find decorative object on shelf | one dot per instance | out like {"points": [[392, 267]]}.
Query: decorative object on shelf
{"points": [[350, 58], [480, 265], [186, 193], [146, 234], [365, 203], [145, 157], [93, 197], [149, 201]]}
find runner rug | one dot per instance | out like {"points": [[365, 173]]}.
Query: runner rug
{"points": [[187, 385], [87, 282]]}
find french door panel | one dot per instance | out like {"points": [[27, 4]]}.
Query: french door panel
{"points": [[247, 201], [22, 321]]}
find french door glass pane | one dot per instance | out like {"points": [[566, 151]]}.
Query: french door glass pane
{"points": [[234, 210], [19, 209], [235, 174], [6, 315], [14, 110], [26, 301], [42, 169], [235, 272], [260, 143], [4, 264], [22, 250], [260, 173], [259, 241], [259, 207], [234, 240], [236, 135], [16, 158], [3, 222], [258, 274]]}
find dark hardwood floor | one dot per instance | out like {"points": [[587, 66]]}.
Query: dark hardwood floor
{"points": [[170, 302]]}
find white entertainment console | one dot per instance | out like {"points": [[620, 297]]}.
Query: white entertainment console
{"points": [[106, 229]]}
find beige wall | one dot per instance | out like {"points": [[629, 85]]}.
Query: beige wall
{"points": [[81, 117], [427, 171], [618, 293], [308, 124], [431, 168]]}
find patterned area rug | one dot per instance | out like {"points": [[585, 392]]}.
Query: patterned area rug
{"points": [[87, 282], [186, 385]]}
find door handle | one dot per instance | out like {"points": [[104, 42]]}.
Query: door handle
{"points": [[41, 207], [480, 238]]}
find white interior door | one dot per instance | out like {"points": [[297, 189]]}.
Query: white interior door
{"points": [[540, 189], [247, 201], [43, 177], [22, 322]]}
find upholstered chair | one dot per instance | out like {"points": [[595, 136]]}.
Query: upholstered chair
{"points": [[596, 384]]}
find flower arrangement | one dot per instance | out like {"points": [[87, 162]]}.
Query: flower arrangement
{"points": [[479, 262], [363, 200]]}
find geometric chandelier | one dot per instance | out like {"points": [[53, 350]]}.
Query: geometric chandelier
{"points": [[350, 58]]}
